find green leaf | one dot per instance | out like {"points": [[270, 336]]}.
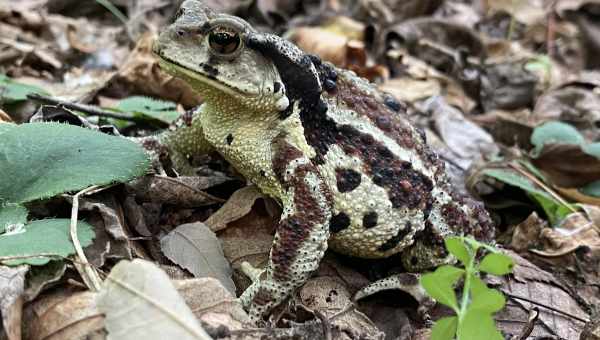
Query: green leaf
{"points": [[555, 211], [40, 160], [11, 216], [12, 91], [456, 247], [444, 328], [555, 132], [515, 179], [164, 111], [496, 264], [591, 189], [484, 298], [43, 237], [477, 325], [592, 149], [440, 284]]}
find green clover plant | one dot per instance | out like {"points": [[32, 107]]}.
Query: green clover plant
{"points": [[474, 312]]}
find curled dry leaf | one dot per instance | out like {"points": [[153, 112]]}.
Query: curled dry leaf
{"points": [[196, 248], [238, 205], [12, 285], [140, 73], [467, 140], [183, 191], [140, 302], [567, 165], [207, 297], [63, 315], [4, 117], [329, 296], [536, 285]]}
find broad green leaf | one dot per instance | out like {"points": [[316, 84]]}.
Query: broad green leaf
{"points": [[6, 127], [139, 302], [40, 160], [12, 215], [496, 264], [43, 237], [515, 179], [592, 189], [555, 211], [457, 247], [440, 284], [477, 325], [592, 149], [444, 328], [12, 91], [484, 298], [555, 132], [164, 111]]}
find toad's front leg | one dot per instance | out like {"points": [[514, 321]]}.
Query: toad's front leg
{"points": [[301, 238]]}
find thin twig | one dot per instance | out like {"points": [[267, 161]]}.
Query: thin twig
{"points": [[542, 185], [534, 314], [87, 272], [547, 307], [89, 109]]}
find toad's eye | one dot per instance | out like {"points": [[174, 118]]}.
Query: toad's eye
{"points": [[224, 42]]}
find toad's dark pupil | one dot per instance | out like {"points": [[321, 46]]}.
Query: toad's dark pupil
{"points": [[224, 42]]}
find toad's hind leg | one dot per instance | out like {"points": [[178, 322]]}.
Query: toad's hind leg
{"points": [[301, 238]]}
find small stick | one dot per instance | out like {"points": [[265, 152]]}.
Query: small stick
{"points": [[87, 272], [89, 109], [547, 307]]}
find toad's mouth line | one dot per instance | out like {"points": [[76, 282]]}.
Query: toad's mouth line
{"points": [[177, 68]]}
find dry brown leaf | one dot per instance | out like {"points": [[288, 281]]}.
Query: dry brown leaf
{"points": [[208, 296], [140, 302], [330, 46], [182, 191], [140, 73], [12, 285], [237, 206], [329, 296], [567, 165], [196, 248], [532, 283], [4, 117], [63, 316]]}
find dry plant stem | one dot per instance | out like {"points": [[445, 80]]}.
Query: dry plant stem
{"points": [[542, 185], [534, 313], [87, 272], [547, 307], [89, 109]]}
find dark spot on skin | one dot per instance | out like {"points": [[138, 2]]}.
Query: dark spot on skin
{"points": [[262, 173], [329, 85], [392, 103], [421, 133], [229, 139], [394, 240], [339, 222], [414, 261], [210, 70], [370, 220], [315, 59], [347, 179], [276, 86]]}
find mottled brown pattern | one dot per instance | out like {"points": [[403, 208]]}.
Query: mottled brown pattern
{"points": [[284, 153], [262, 297], [294, 230], [393, 124]]}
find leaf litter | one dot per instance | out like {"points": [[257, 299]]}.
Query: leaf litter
{"points": [[506, 91]]}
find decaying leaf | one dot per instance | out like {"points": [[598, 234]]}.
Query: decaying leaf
{"points": [[140, 302], [238, 205], [196, 248], [12, 285]]}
